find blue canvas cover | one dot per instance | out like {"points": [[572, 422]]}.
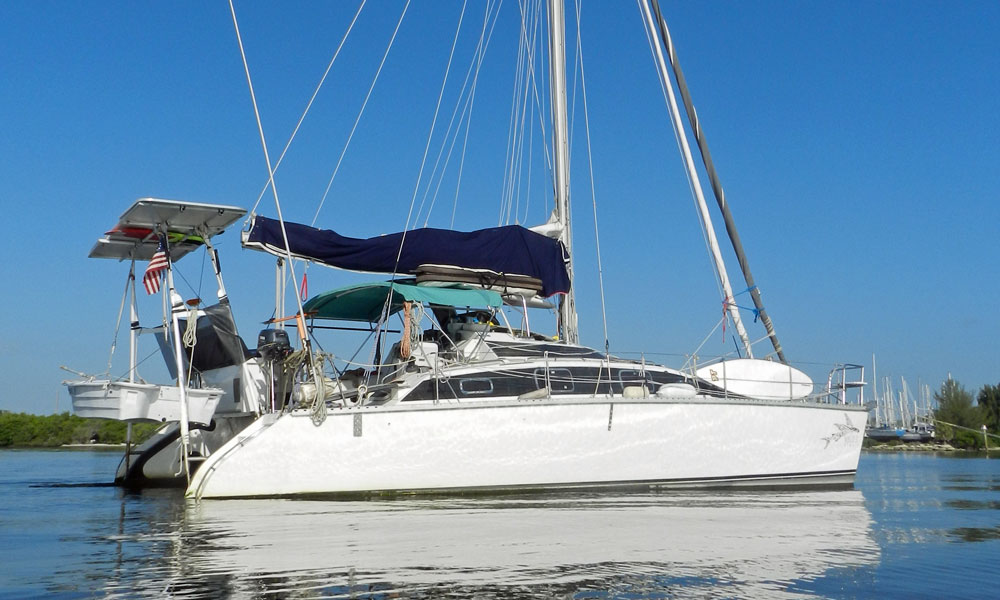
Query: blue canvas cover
{"points": [[511, 249]]}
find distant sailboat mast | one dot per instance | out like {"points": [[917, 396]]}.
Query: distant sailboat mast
{"points": [[560, 150]]}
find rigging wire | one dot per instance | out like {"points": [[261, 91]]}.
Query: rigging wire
{"points": [[270, 174], [138, 363], [437, 109], [550, 155], [654, 47], [402, 239], [514, 202], [465, 119], [468, 126], [354, 128], [691, 358], [302, 118], [529, 77], [590, 165], [474, 67], [121, 311], [309, 104], [512, 117], [526, 113], [716, 184]]}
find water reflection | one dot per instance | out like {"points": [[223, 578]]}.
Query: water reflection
{"points": [[973, 504], [696, 544], [976, 534]]}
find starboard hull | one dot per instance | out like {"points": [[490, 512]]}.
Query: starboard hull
{"points": [[548, 444], [157, 461]]}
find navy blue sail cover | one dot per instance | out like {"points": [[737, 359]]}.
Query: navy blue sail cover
{"points": [[511, 249]]}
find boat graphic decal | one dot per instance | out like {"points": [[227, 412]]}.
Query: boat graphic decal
{"points": [[842, 430]]}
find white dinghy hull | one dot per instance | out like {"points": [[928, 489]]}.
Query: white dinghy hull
{"points": [[140, 402], [546, 444]]}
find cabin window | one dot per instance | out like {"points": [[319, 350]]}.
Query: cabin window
{"points": [[631, 377], [476, 387], [560, 380]]}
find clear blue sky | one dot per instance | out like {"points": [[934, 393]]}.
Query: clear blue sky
{"points": [[857, 143]]}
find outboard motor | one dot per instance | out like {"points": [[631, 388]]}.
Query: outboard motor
{"points": [[273, 344], [273, 347]]}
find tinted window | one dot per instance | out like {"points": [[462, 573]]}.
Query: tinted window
{"points": [[560, 380], [631, 377], [475, 387]]}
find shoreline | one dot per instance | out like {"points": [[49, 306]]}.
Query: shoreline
{"points": [[95, 446], [915, 447]]}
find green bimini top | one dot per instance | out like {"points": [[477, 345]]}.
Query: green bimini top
{"points": [[365, 302]]}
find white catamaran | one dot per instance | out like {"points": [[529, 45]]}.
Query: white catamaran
{"points": [[468, 396]]}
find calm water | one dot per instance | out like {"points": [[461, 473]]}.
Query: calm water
{"points": [[916, 526]]}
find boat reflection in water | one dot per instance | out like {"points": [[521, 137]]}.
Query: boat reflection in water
{"points": [[687, 544]]}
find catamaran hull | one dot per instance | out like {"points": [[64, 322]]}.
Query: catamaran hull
{"points": [[157, 461], [543, 444]]}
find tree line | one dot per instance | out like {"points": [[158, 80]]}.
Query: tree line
{"points": [[21, 430], [957, 406]]}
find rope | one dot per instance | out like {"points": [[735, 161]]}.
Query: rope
{"points": [[292, 364], [404, 343], [318, 414], [190, 338], [979, 431]]}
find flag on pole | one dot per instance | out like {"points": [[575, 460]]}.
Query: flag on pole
{"points": [[304, 288], [157, 264]]}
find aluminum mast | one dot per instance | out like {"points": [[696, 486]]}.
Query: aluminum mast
{"points": [[560, 151]]}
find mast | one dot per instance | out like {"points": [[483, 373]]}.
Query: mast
{"points": [[706, 218], [875, 389], [560, 150], [713, 177]]}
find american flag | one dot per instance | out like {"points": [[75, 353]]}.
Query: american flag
{"points": [[154, 272]]}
